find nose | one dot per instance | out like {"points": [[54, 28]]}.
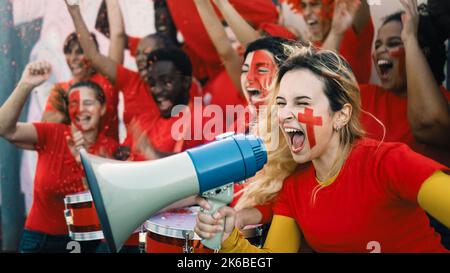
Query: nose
{"points": [[285, 114], [381, 49], [157, 89]]}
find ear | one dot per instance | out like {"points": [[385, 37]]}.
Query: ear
{"points": [[103, 110], [342, 117]]}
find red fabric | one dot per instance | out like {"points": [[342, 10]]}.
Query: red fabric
{"points": [[142, 109], [57, 175], [198, 45], [392, 111], [267, 213], [277, 31], [356, 49], [374, 198], [133, 43], [223, 93], [110, 121]]}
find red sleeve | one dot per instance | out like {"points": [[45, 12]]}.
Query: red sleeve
{"points": [[356, 49], [135, 93], [267, 213], [277, 31], [46, 134], [133, 44], [281, 205], [403, 171], [124, 78]]}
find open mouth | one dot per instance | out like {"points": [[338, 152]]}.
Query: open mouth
{"points": [[296, 139], [312, 22], [83, 120], [253, 92], [385, 67]]}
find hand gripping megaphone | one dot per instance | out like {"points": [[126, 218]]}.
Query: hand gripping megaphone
{"points": [[126, 194]]}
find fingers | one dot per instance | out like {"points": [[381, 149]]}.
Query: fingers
{"points": [[39, 68], [206, 226], [202, 203]]}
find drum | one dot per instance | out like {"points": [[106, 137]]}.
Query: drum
{"points": [[173, 232], [81, 217]]}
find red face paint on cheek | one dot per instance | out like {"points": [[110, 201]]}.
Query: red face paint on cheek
{"points": [[74, 107], [310, 120], [399, 53]]}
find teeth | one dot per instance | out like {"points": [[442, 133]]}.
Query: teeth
{"points": [[292, 130], [311, 21], [383, 62]]}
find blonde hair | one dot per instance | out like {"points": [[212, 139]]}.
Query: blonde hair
{"points": [[340, 87]]}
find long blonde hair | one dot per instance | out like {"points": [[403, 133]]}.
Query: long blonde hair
{"points": [[340, 87]]}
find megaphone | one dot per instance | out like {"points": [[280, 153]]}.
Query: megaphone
{"points": [[126, 194]]}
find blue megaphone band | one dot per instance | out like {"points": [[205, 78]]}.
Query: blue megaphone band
{"points": [[231, 159]]}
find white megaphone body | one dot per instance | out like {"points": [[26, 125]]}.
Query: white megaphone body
{"points": [[126, 194]]}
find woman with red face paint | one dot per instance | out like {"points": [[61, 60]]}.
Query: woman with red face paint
{"points": [[58, 171], [410, 103], [324, 18], [82, 70], [341, 191]]}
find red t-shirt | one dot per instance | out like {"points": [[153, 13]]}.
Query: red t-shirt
{"points": [[392, 111], [57, 175], [143, 111], [356, 49], [373, 199], [110, 121]]}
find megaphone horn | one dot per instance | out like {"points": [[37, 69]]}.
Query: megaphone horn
{"points": [[126, 194]]}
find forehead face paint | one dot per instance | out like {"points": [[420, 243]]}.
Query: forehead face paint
{"points": [[260, 73], [74, 107], [310, 120]]}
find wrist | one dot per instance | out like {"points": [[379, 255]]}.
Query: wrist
{"points": [[410, 40], [24, 86]]}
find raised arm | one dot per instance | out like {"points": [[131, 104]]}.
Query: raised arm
{"points": [[216, 32], [362, 17], [23, 135], [101, 63], [428, 109], [344, 16], [244, 32], [117, 31]]}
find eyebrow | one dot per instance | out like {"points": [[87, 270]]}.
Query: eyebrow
{"points": [[302, 97]]}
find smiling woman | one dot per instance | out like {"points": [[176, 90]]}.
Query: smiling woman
{"points": [[59, 171], [81, 70], [332, 185]]}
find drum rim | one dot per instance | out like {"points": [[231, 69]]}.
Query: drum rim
{"points": [[169, 232], [86, 236], [78, 198]]}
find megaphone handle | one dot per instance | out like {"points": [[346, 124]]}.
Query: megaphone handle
{"points": [[216, 241]]}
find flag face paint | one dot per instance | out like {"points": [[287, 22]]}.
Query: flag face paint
{"points": [[260, 75], [310, 120], [74, 107]]}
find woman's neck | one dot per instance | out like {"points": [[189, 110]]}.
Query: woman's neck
{"points": [[331, 161]]}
